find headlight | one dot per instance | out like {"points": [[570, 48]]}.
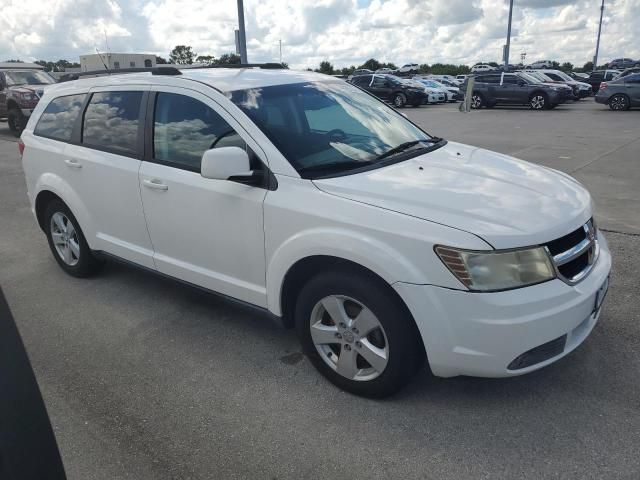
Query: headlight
{"points": [[29, 97], [497, 270]]}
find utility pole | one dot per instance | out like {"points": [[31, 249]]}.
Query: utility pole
{"points": [[242, 35], [595, 57], [280, 45], [506, 48]]}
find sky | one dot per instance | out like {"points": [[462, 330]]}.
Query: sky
{"points": [[344, 32]]}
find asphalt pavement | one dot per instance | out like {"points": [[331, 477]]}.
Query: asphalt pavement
{"points": [[145, 378]]}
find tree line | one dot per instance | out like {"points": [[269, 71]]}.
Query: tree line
{"points": [[327, 67]]}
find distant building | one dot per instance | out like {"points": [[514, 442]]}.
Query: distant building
{"points": [[115, 61]]}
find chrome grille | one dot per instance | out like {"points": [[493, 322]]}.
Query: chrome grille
{"points": [[575, 254]]}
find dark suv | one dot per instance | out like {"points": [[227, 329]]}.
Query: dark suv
{"points": [[623, 63], [20, 90], [598, 76], [492, 89], [391, 89]]}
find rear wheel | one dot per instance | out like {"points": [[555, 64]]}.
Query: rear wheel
{"points": [[16, 121], [619, 102], [67, 242], [399, 100], [357, 333], [477, 101]]}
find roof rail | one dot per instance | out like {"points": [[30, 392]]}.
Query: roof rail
{"points": [[266, 66], [159, 70]]}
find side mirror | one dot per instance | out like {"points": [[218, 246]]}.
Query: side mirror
{"points": [[229, 163]]}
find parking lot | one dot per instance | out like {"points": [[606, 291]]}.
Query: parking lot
{"points": [[145, 378]]}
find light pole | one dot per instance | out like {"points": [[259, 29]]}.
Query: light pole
{"points": [[506, 48], [242, 39], [595, 57]]}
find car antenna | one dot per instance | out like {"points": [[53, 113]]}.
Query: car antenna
{"points": [[101, 59]]}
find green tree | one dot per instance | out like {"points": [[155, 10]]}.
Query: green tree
{"points": [[12, 60], [182, 55], [160, 60], [326, 68], [587, 67], [566, 67], [371, 64], [228, 59], [206, 59]]}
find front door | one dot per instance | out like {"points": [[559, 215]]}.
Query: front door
{"points": [[207, 232]]}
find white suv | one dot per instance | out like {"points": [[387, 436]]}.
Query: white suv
{"points": [[305, 197]]}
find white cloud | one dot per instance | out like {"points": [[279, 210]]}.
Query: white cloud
{"points": [[427, 31]]}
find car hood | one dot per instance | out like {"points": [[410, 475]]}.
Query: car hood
{"points": [[38, 89], [508, 202]]}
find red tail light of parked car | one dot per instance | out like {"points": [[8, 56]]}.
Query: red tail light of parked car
{"points": [[603, 85], [21, 147]]}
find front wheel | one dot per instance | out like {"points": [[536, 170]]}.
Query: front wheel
{"points": [[399, 100], [16, 121], [619, 102], [539, 101], [358, 334]]}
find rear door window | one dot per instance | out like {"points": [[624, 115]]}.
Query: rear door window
{"points": [[58, 119], [112, 120]]}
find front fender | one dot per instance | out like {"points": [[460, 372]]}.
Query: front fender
{"points": [[379, 257]]}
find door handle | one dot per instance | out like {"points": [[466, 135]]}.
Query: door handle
{"points": [[73, 163], [155, 184]]}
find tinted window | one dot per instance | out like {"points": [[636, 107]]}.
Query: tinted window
{"points": [[111, 121], [379, 82], [59, 117], [489, 79], [510, 79], [610, 75], [362, 81], [184, 128], [553, 76], [633, 78]]}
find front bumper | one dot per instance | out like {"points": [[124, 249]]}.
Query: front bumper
{"points": [[26, 111], [481, 334], [436, 98]]}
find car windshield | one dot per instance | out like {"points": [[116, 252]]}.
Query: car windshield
{"points": [[326, 128], [563, 76], [34, 77]]}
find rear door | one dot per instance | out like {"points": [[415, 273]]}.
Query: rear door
{"points": [[509, 90], [102, 167]]}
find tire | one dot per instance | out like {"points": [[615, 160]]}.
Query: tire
{"points": [[67, 242], [477, 101], [399, 100], [619, 102], [16, 121], [392, 344], [539, 101]]}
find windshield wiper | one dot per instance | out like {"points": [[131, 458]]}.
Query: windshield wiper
{"points": [[406, 146], [335, 165]]}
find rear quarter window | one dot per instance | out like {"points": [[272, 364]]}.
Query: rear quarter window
{"points": [[59, 117]]}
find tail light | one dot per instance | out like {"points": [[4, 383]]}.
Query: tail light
{"points": [[603, 85], [21, 147]]}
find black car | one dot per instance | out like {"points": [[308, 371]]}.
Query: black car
{"points": [[598, 76], [492, 89], [621, 93], [391, 89]]}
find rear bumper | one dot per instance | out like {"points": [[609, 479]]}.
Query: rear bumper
{"points": [[481, 334], [600, 98]]}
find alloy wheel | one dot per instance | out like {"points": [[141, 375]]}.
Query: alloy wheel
{"points": [[65, 239], [537, 102], [618, 102], [476, 101], [349, 338]]}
